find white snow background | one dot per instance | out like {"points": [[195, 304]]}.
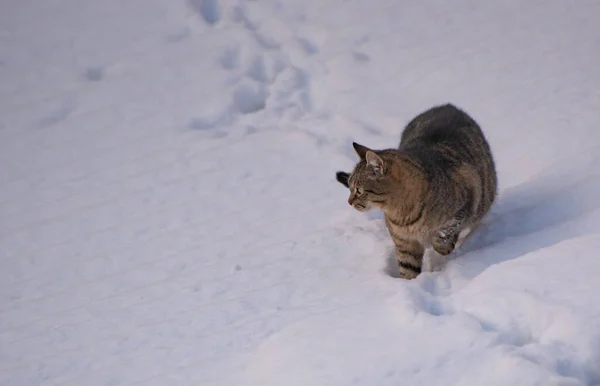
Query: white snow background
{"points": [[169, 213]]}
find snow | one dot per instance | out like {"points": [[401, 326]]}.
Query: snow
{"points": [[169, 213]]}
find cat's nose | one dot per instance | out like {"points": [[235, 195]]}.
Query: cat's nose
{"points": [[351, 200]]}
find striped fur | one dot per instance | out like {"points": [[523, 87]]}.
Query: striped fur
{"points": [[433, 189]]}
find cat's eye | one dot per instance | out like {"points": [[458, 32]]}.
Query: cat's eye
{"points": [[358, 191]]}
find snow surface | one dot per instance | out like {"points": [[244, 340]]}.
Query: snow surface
{"points": [[169, 213]]}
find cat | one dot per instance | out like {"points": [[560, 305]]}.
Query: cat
{"points": [[434, 189]]}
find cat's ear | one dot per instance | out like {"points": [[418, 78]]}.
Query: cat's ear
{"points": [[360, 150], [375, 162], [343, 178]]}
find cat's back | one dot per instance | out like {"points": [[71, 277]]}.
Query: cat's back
{"points": [[446, 135], [440, 124]]}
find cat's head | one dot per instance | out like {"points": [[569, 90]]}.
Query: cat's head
{"points": [[367, 182]]}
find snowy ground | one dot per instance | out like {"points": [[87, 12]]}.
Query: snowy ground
{"points": [[169, 213]]}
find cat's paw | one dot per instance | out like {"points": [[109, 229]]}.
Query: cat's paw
{"points": [[443, 249], [444, 243], [407, 275]]}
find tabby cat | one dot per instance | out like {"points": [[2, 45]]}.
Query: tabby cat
{"points": [[434, 189]]}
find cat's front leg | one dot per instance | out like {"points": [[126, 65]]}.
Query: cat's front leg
{"points": [[409, 255]]}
